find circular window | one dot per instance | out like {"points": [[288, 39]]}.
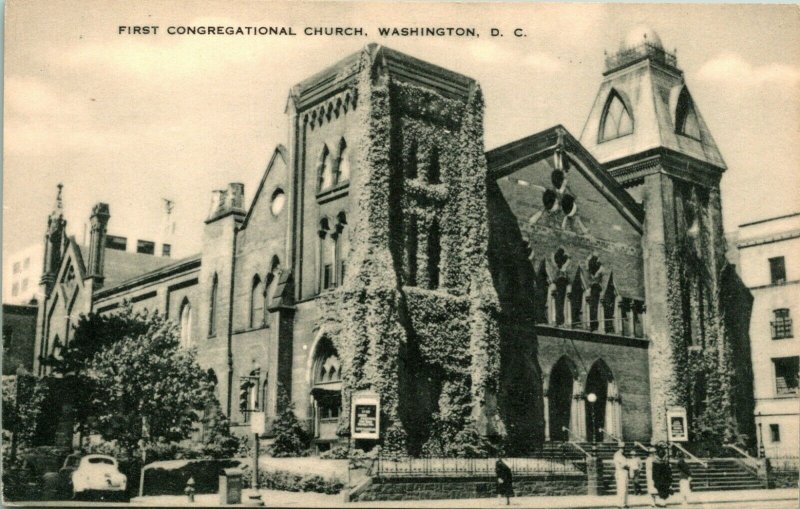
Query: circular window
{"points": [[277, 202]]}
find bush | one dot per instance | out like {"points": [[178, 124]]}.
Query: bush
{"points": [[291, 439], [287, 481], [338, 452], [169, 478]]}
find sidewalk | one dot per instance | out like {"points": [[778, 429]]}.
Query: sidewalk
{"points": [[274, 498]]}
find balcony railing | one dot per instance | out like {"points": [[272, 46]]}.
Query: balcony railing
{"points": [[656, 53]]}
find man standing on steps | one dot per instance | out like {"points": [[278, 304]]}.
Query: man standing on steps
{"points": [[685, 479], [621, 469]]}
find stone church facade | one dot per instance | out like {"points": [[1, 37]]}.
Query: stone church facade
{"points": [[479, 294]]}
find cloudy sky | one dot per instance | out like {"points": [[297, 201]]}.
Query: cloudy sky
{"points": [[130, 120]]}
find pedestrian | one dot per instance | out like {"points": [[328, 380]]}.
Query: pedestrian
{"points": [[649, 465], [505, 481], [661, 477], [621, 473], [685, 483], [634, 472]]}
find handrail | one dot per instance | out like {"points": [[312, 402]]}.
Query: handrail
{"points": [[641, 446], [749, 459], [690, 455], [606, 433], [575, 444]]}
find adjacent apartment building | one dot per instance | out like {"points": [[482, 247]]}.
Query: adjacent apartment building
{"points": [[768, 265]]}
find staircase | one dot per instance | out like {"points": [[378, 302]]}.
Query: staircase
{"points": [[722, 474]]}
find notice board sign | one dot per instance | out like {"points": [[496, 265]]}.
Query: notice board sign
{"points": [[258, 423], [677, 425], [365, 415]]}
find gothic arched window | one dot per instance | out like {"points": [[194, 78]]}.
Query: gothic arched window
{"points": [[212, 307], [411, 252], [410, 169], [186, 323], [342, 249], [343, 172], [434, 167], [325, 169], [686, 121], [256, 303], [617, 120], [434, 255]]}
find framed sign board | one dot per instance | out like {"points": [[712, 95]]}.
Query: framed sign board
{"points": [[677, 425], [258, 423], [365, 416]]}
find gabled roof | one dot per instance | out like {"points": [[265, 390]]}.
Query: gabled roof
{"points": [[509, 158], [280, 151]]}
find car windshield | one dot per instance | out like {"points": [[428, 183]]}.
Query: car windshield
{"points": [[105, 461]]}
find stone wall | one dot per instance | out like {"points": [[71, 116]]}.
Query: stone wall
{"points": [[433, 488]]}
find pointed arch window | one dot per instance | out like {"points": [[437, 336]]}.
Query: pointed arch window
{"points": [[576, 302], [617, 120], [686, 121], [342, 248], [343, 170], [410, 169], [434, 167], [186, 323], [269, 283], [411, 248], [540, 290], [212, 307], [609, 308], [256, 303], [434, 255], [325, 169]]}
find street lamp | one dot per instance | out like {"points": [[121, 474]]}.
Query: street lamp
{"points": [[591, 398]]}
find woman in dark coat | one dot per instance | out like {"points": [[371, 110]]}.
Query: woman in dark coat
{"points": [[505, 481], [662, 475]]}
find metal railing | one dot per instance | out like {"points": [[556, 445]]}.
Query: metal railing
{"points": [[610, 435], [641, 446], [749, 460], [473, 467], [689, 455], [574, 443]]}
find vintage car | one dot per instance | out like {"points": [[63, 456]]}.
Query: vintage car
{"points": [[98, 474]]}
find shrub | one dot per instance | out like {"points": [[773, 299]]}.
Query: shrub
{"points": [[290, 437], [287, 481], [168, 478]]}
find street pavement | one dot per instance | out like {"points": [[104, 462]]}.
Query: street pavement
{"points": [[744, 499]]}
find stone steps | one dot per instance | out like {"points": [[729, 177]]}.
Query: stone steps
{"points": [[721, 474]]}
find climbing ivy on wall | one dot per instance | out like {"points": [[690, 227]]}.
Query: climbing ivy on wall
{"points": [[383, 330]]}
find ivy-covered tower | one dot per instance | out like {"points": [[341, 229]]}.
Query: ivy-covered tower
{"points": [[415, 318], [647, 131]]}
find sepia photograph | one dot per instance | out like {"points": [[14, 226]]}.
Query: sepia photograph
{"points": [[400, 254]]}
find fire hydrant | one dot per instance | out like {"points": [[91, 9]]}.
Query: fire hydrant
{"points": [[190, 489]]}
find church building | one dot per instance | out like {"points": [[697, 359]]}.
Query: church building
{"points": [[560, 287]]}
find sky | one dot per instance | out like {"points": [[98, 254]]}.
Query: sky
{"points": [[132, 119]]}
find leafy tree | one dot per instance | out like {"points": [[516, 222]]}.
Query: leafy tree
{"points": [[290, 437], [92, 334], [23, 397], [145, 385]]}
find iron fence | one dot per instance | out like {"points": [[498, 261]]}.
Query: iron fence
{"points": [[476, 467]]}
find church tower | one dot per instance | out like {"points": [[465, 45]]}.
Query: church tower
{"points": [[54, 243], [647, 131]]}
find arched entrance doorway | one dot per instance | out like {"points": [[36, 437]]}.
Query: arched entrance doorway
{"points": [[603, 409], [561, 403], [326, 393]]}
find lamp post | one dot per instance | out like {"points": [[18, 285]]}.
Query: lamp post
{"points": [[591, 398]]}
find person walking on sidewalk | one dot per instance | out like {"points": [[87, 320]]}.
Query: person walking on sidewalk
{"points": [[621, 472], [659, 476], [505, 481], [685, 482]]}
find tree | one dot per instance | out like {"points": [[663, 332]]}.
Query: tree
{"points": [[290, 437], [92, 334], [146, 385]]}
